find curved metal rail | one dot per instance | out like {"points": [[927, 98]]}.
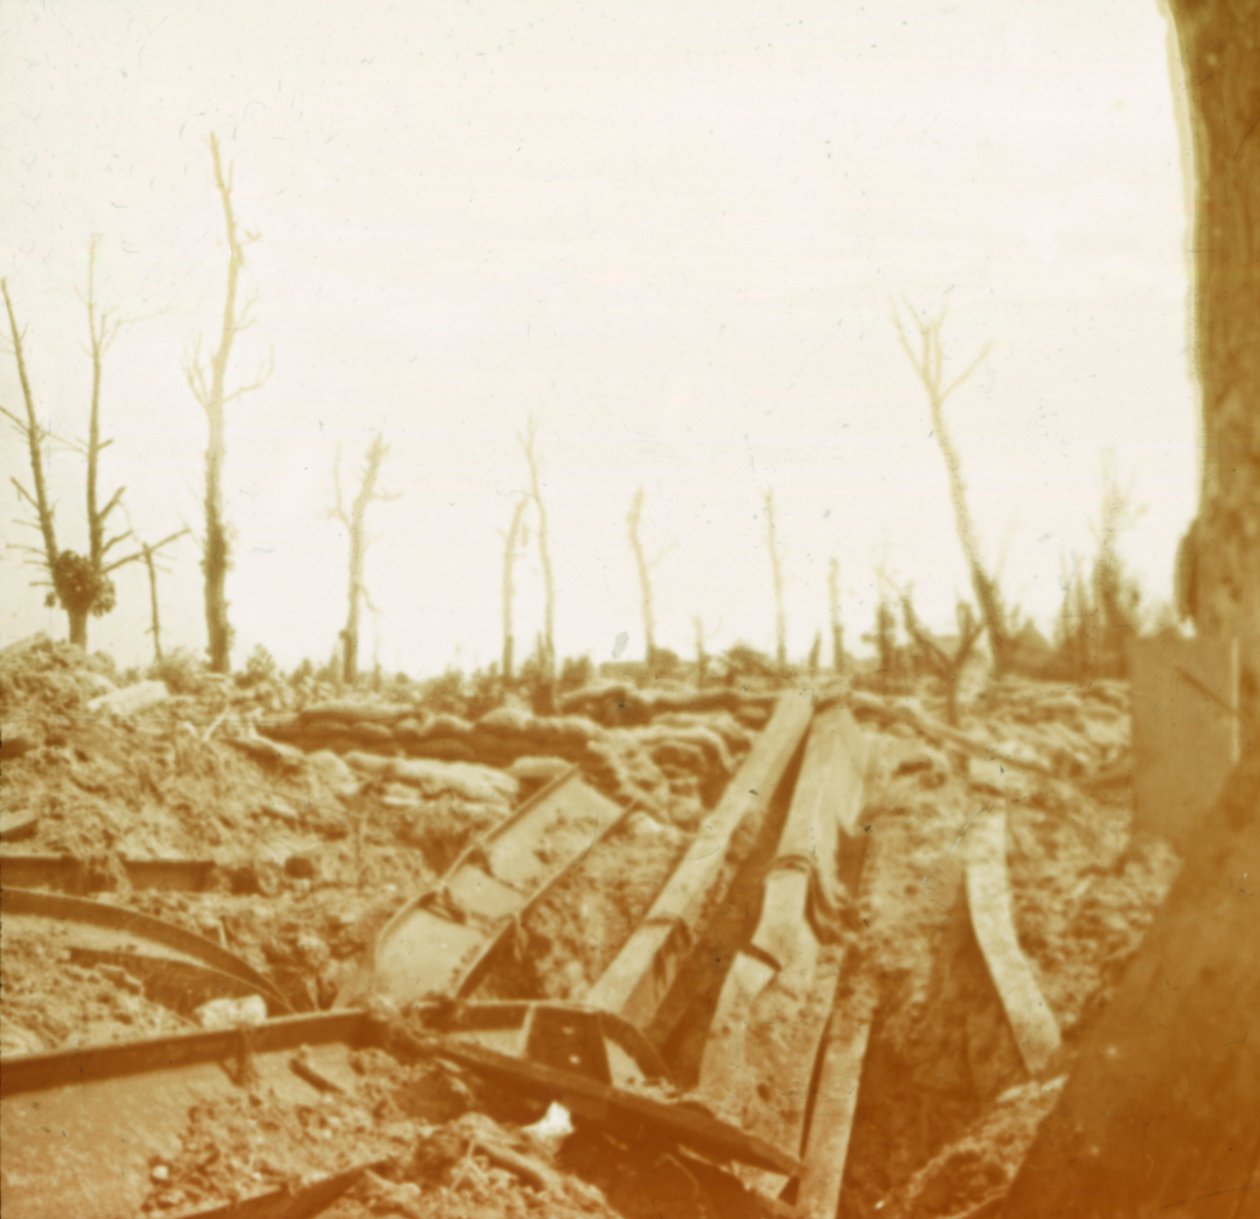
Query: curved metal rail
{"points": [[142, 943]]}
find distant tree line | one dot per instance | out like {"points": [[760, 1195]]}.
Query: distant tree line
{"points": [[1099, 612]]}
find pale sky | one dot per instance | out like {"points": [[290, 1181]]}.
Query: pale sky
{"points": [[674, 232]]}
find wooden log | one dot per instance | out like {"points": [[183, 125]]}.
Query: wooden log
{"points": [[637, 982], [1161, 1116], [826, 802], [835, 1107], [1032, 1022]]}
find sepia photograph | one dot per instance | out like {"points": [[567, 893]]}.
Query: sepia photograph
{"points": [[630, 610]]}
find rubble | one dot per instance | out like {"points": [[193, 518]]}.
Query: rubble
{"points": [[324, 819]]}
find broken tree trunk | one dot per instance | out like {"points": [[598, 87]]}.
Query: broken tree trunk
{"points": [[529, 445], [33, 434], [155, 620], [509, 587], [645, 577], [776, 576], [1162, 1113], [929, 364], [213, 395], [354, 519], [837, 628], [1219, 45]]}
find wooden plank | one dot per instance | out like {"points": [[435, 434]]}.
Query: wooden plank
{"points": [[835, 1106], [639, 978], [993, 920], [435, 941], [1161, 1116], [72, 875], [1185, 729], [14, 826], [801, 889]]}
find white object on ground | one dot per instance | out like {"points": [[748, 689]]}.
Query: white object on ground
{"points": [[228, 1013]]}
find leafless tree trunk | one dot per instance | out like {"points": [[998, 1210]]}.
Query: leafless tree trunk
{"points": [[150, 555], [928, 363], [702, 657], [1219, 42], [30, 429], [776, 575], [837, 628], [354, 518], [645, 576], [209, 387], [101, 334], [155, 617], [946, 665], [511, 540], [529, 447], [80, 585]]}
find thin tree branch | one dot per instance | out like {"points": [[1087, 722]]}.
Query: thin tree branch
{"points": [[116, 540]]}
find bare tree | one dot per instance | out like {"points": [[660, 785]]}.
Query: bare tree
{"points": [[837, 628], [1116, 592], [929, 364], [33, 433], [885, 639], [208, 383], [938, 659], [513, 539], [529, 446], [80, 584], [702, 656], [354, 519], [150, 556], [633, 521], [776, 575], [1098, 616]]}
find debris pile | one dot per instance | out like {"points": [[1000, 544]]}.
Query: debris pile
{"points": [[317, 823]]}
